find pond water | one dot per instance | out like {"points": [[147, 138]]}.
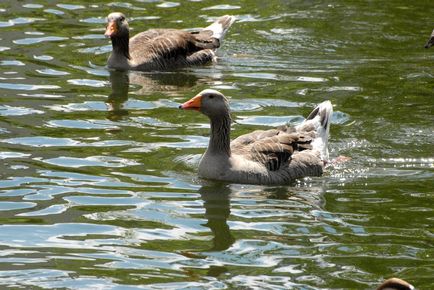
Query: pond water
{"points": [[98, 184]]}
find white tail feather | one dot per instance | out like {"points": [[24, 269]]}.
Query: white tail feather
{"points": [[221, 26], [320, 119]]}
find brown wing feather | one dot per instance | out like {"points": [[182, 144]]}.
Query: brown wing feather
{"points": [[271, 152], [272, 148], [160, 45], [144, 36], [249, 138], [200, 57], [205, 40]]}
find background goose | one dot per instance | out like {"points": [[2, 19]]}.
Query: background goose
{"points": [[159, 49], [430, 41], [276, 156], [395, 284]]}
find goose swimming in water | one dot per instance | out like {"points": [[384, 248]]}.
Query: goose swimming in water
{"points": [[276, 156], [160, 49]]}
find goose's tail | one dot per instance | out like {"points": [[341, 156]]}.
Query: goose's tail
{"points": [[319, 120], [220, 27], [430, 41]]}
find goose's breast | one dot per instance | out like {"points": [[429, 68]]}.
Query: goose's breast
{"points": [[213, 166]]}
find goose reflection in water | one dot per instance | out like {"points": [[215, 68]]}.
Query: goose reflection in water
{"points": [[216, 201], [216, 198], [120, 83], [174, 83]]}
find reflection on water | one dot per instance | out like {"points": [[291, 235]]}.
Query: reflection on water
{"points": [[120, 83], [217, 211], [170, 82], [98, 184], [143, 84]]}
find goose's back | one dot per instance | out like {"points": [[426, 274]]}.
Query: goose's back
{"points": [[163, 48]]}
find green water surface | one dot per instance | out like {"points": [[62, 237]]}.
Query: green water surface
{"points": [[98, 183]]}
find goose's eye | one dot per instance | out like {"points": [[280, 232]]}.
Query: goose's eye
{"points": [[122, 19], [211, 96]]}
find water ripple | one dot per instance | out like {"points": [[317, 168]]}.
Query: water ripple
{"points": [[33, 6], [5, 154], [54, 11], [54, 235], [168, 4], [9, 205], [52, 72], [20, 20], [33, 40], [88, 82], [79, 107], [6, 110], [99, 161], [12, 63], [51, 210], [43, 57], [41, 141], [83, 124], [42, 96], [70, 6], [26, 87], [222, 7], [271, 76]]}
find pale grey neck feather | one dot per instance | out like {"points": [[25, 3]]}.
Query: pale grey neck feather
{"points": [[220, 142]]}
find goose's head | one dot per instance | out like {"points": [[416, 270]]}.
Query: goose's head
{"points": [[117, 25], [209, 102], [430, 41], [395, 284]]}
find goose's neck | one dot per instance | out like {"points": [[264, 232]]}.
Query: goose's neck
{"points": [[220, 141], [121, 45]]}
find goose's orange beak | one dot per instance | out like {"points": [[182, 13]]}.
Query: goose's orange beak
{"points": [[111, 29], [193, 104]]}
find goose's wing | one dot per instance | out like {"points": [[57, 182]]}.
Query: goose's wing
{"points": [[272, 148], [157, 44], [249, 138], [147, 35]]}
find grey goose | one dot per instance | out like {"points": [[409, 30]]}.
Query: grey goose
{"points": [[160, 49], [275, 156]]}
